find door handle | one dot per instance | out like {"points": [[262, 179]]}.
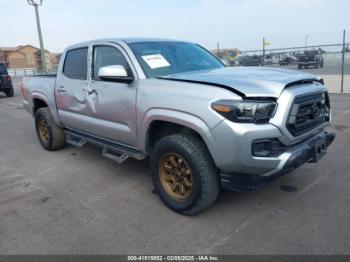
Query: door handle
{"points": [[93, 91], [61, 89]]}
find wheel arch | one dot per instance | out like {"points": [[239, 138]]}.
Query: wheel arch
{"points": [[162, 122], [40, 100], [37, 104]]}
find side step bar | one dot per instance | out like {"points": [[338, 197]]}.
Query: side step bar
{"points": [[113, 151]]}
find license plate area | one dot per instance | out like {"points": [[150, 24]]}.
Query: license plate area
{"points": [[318, 149]]}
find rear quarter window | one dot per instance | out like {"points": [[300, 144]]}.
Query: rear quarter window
{"points": [[75, 64]]}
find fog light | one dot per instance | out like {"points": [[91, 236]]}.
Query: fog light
{"points": [[261, 148]]}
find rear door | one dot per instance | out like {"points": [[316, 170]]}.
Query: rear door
{"points": [[71, 89]]}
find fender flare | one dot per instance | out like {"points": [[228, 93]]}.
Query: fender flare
{"points": [[41, 96], [51, 104], [176, 117]]}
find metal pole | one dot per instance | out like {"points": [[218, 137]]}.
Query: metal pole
{"points": [[42, 50], [306, 38], [342, 65], [263, 57]]}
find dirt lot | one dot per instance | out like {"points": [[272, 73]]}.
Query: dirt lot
{"points": [[74, 201]]}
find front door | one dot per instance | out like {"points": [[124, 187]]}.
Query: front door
{"points": [[112, 104]]}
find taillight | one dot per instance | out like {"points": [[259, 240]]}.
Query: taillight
{"points": [[7, 78]]}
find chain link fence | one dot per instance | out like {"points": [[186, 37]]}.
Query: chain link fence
{"points": [[330, 62], [20, 72]]}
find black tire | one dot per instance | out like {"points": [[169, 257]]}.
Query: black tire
{"points": [[300, 67], [55, 138], [205, 179], [9, 92]]}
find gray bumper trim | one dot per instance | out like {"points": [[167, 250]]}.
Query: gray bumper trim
{"points": [[308, 151]]}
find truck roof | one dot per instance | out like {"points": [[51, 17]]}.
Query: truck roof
{"points": [[127, 40], [144, 39]]}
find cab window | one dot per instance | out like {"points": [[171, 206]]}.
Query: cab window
{"points": [[105, 56], [75, 64]]}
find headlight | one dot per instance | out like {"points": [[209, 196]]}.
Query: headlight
{"points": [[245, 111]]}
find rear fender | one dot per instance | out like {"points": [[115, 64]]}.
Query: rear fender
{"points": [[50, 103]]}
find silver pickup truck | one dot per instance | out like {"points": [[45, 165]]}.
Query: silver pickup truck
{"points": [[205, 127]]}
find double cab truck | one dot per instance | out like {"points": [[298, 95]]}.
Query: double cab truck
{"points": [[205, 127], [310, 58]]}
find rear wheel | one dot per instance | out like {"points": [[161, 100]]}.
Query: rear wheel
{"points": [[184, 174], [9, 92], [50, 135]]}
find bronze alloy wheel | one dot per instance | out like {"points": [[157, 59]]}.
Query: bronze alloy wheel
{"points": [[43, 130], [175, 176]]}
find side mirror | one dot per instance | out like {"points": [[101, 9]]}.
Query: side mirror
{"points": [[115, 73]]}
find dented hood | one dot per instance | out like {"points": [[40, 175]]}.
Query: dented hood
{"points": [[247, 81]]}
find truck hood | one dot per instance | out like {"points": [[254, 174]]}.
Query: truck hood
{"points": [[247, 81]]}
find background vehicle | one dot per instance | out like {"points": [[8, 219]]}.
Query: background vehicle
{"points": [[228, 56], [288, 60], [204, 126], [231, 56], [270, 59], [5, 81], [253, 60], [310, 58]]}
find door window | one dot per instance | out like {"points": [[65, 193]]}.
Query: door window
{"points": [[105, 56], [75, 64]]}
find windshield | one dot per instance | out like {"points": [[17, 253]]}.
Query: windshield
{"points": [[167, 58]]}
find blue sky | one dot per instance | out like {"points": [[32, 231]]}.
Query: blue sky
{"points": [[233, 23]]}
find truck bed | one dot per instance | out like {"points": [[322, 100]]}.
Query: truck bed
{"points": [[46, 75]]}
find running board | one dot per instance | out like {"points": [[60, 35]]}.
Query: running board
{"points": [[107, 153], [74, 141], [113, 151]]}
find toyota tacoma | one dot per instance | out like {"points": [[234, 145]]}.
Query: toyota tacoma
{"points": [[205, 127], [310, 58]]}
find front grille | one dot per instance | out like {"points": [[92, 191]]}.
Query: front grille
{"points": [[308, 112]]}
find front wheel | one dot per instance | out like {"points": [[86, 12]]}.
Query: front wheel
{"points": [[50, 135], [184, 174]]}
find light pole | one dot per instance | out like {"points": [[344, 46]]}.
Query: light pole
{"points": [[36, 4], [306, 38], [342, 65]]}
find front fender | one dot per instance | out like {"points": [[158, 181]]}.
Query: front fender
{"points": [[177, 117]]}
